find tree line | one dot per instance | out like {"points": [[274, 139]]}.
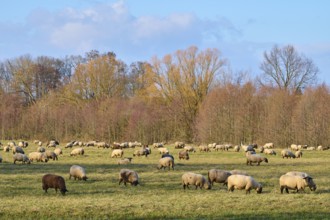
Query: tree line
{"points": [[190, 95]]}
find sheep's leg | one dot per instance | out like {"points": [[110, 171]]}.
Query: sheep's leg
{"points": [[121, 180], [287, 190]]}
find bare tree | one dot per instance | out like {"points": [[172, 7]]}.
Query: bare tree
{"points": [[286, 69]]}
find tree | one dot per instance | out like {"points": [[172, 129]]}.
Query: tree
{"points": [[286, 69]]}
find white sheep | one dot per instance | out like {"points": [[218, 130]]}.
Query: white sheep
{"points": [[77, 151], [237, 148], [189, 149], [21, 157], [179, 144], [269, 151], [218, 176], [204, 148], [117, 153], [163, 150], [197, 180], [255, 158], [6, 148], [298, 154], [287, 153], [269, 145], [39, 157], [243, 182], [296, 183], [77, 172], [128, 176], [125, 161], [58, 151], [166, 162]]}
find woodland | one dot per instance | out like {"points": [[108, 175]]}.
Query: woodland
{"points": [[190, 95]]}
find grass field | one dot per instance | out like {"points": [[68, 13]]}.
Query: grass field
{"points": [[160, 195]]}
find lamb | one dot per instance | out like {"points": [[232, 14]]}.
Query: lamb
{"points": [[218, 176], [287, 153], [53, 181], [269, 151], [21, 157], [255, 158], [17, 149], [197, 180], [183, 155], [243, 182], [51, 155], [58, 151], [127, 160], [77, 151], [189, 149], [117, 153], [77, 172], [298, 154], [296, 183], [166, 162], [128, 176], [41, 149], [39, 157], [163, 150]]}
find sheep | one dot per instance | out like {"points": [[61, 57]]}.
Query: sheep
{"points": [[247, 148], [240, 182], [77, 151], [195, 179], [21, 157], [237, 148], [294, 147], [128, 176], [221, 147], [54, 181], [143, 151], [204, 148], [23, 144], [11, 144], [157, 145], [6, 148], [298, 154], [269, 145], [69, 145], [310, 148], [255, 158], [102, 144], [163, 150], [39, 157], [17, 149], [189, 149], [52, 143], [183, 155], [168, 155], [296, 183], [90, 143], [77, 172], [213, 145], [218, 176], [51, 155], [127, 160], [179, 144], [287, 153], [117, 153], [240, 172], [58, 151], [166, 162], [41, 149], [269, 151]]}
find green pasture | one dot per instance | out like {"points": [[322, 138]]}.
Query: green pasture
{"points": [[160, 194]]}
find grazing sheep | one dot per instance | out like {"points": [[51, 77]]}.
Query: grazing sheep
{"points": [[237, 148], [128, 176], [102, 144], [296, 183], [287, 153], [69, 145], [189, 149], [310, 148], [144, 151], [6, 148], [269, 151], [204, 148], [52, 143], [255, 158], [212, 146], [58, 151], [39, 157], [240, 172], [179, 144], [117, 153], [183, 155], [243, 182], [17, 149], [294, 147], [77, 172], [197, 180], [23, 144], [11, 144], [218, 176], [123, 161], [269, 145], [41, 149], [163, 150], [91, 143], [166, 162], [53, 181], [168, 155], [298, 154], [77, 151], [221, 147], [21, 157], [158, 145], [51, 155]]}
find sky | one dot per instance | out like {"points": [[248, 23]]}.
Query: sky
{"points": [[137, 30]]}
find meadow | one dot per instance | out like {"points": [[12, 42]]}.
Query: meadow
{"points": [[160, 194]]}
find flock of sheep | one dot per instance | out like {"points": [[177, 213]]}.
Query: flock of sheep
{"points": [[234, 179]]}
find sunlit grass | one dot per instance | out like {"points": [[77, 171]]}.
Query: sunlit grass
{"points": [[160, 195]]}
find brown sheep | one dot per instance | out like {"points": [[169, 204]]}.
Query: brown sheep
{"points": [[54, 181], [183, 155], [128, 176]]}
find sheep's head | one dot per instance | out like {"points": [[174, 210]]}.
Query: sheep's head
{"points": [[310, 183], [259, 189], [266, 160], [84, 178]]}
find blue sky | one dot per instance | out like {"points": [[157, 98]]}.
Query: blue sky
{"points": [[137, 30]]}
